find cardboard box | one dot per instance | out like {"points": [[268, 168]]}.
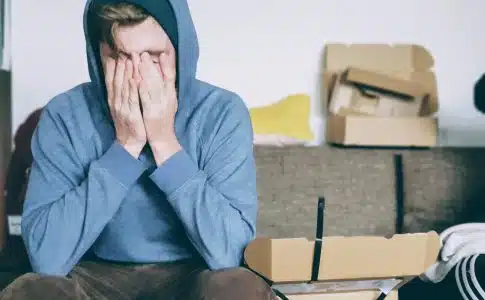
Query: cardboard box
{"points": [[366, 93], [350, 267], [411, 63]]}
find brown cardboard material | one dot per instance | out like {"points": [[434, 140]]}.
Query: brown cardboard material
{"points": [[362, 92], [347, 264], [364, 295], [290, 260], [406, 62], [374, 131]]}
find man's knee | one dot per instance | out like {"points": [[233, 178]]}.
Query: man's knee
{"points": [[40, 287], [237, 284], [26, 280]]}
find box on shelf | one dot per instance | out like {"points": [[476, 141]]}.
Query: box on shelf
{"points": [[359, 267], [399, 76]]}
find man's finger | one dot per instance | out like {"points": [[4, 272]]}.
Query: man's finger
{"points": [[133, 99], [135, 57], [109, 73], [149, 73], [119, 76], [126, 80], [144, 95], [128, 70], [168, 68]]}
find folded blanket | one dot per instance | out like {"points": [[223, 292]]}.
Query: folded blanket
{"points": [[458, 242]]}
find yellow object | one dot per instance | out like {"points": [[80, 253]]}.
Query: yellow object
{"points": [[289, 117]]}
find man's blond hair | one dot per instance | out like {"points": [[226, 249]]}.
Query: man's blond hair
{"points": [[109, 17]]}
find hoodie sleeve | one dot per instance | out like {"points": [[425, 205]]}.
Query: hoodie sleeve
{"points": [[218, 203], [67, 203]]}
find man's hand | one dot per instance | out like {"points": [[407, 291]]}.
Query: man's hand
{"points": [[123, 100], [159, 100]]}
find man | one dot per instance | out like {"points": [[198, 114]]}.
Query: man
{"points": [[145, 167]]}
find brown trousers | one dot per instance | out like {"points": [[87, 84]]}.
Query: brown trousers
{"points": [[105, 281]]}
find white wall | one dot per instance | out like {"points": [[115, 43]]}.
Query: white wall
{"points": [[265, 50]]}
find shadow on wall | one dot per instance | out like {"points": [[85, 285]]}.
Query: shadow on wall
{"points": [[13, 251]]}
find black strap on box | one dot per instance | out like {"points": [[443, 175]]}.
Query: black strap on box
{"points": [[400, 194], [317, 248], [316, 252]]}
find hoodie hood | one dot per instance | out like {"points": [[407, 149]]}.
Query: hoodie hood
{"points": [[187, 47]]}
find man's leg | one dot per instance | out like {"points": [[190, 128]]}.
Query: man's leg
{"points": [[34, 286], [88, 280], [166, 281], [229, 284]]}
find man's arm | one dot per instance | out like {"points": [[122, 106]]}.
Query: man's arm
{"points": [[67, 206], [218, 204]]}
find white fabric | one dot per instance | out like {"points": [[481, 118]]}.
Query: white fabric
{"points": [[458, 242]]}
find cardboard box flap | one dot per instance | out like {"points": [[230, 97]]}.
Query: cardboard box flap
{"points": [[427, 80], [401, 87], [378, 57], [344, 258]]}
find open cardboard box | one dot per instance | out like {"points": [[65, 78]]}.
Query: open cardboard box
{"points": [[339, 267], [349, 266], [406, 62]]}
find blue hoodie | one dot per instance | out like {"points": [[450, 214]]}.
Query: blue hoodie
{"points": [[87, 193]]}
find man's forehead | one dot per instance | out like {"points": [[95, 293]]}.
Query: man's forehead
{"points": [[145, 37]]}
